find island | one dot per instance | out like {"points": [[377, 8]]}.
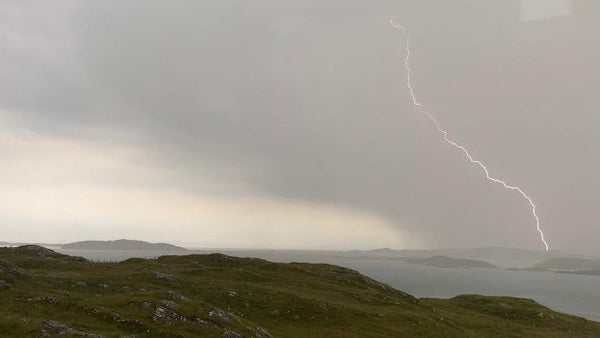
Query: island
{"points": [[449, 262], [122, 245], [567, 263]]}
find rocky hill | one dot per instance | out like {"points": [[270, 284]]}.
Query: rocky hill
{"points": [[44, 293]]}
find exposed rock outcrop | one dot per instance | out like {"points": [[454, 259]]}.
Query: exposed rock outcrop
{"points": [[54, 327]]}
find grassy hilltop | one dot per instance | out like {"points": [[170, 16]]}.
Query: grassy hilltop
{"points": [[44, 293]]}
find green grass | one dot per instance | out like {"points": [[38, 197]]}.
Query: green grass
{"points": [[287, 300]]}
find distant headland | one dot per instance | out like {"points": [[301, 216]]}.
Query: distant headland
{"points": [[122, 244]]}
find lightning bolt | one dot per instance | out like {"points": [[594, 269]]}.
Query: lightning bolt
{"points": [[444, 134]]}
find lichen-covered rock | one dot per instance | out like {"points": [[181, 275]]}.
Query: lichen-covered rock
{"points": [[161, 315], [176, 296], [10, 271], [54, 327], [169, 304], [109, 315], [231, 334], [143, 305], [219, 316], [166, 316], [164, 277]]}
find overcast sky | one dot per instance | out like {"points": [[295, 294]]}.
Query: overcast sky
{"points": [[232, 123]]}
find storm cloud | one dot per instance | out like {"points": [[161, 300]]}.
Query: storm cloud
{"points": [[305, 104]]}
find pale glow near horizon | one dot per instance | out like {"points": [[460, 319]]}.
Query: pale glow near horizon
{"points": [[62, 190]]}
